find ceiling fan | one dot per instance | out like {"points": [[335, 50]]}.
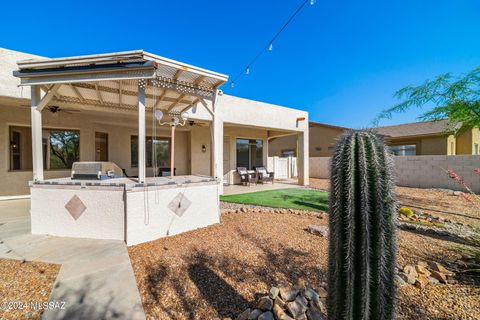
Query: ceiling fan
{"points": [[55, 109]]}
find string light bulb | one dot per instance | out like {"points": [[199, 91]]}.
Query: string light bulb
{"points": [[233, 85], [312, 2], [247, 71], [270, 46]]}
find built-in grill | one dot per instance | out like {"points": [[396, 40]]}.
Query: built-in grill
{"points": [[95, 170]]}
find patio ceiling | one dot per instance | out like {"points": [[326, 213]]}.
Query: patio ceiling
{"points": [[112, 80]]}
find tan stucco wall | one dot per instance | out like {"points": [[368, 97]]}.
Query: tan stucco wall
{"points": [[464, 142], [322, 140], [435, 145]]}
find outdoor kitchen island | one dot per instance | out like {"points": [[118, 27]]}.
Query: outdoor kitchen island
{"points": [[122, 209]]}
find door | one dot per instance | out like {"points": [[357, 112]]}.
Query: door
{"points": [[101, 146], [226, 160]]}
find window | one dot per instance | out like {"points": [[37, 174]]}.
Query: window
{"points": [[404, 150], [64, 148], [160, 145], [60, 148], [475, 148], [249, 153]]}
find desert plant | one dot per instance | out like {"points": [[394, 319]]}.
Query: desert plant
{"points": [[362, 247], [407, 212]]}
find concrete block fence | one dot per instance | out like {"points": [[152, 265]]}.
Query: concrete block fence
{"points": [[420, 171]]}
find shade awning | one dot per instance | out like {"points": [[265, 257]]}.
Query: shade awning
{"points": [[111, 80]]}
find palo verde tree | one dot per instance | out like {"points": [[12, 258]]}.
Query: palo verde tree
{"points": [[454, 98], [362, 247]]}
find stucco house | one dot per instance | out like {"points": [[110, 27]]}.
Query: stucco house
{"points": [[430, 138], [322, 140], [91, 137]]}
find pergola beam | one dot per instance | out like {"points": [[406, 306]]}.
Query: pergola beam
{"points": [[99, 94], [77, 93], [49, 94], [176, 102]]}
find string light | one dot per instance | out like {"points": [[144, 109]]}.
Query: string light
{"points": [[269, 45]]}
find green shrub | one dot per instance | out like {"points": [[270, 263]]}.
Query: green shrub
{"points": [[406, 212]]}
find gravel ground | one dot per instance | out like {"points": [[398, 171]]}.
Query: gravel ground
{"points": [[221, 270], [438, 203], [24, 283]]}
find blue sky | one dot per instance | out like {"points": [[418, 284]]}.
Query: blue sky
{"points": [[340, 60]]}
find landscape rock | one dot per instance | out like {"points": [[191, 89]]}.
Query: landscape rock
{"points": [[433, 281], [288, 294], [439, 276], [254, 314], [302, 300], [421, 282], [322, 292], [318, 230], [273, 293], [319, 305], [296, 309], [280, 314], [279, 302], [310, 294], [407, 278], [244, 315], [266, 316], [410, 270], [435, 266], [265, 303], [421, 270], [400, 281], [314, 314]]}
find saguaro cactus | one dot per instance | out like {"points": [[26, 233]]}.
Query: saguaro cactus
{"points": [[362, 247]]}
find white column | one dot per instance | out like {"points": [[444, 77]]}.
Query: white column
{"points": [[141, 134], [303, 159], [217, 146], [36, 122]]}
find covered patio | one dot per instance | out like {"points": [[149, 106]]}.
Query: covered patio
{"points": [[132, 146], [147, 200]]}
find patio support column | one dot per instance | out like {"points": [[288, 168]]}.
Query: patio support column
{"points": [[303, 159], [141, 133], [36, 123], [217, 145]]}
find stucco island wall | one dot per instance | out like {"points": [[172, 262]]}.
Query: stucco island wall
{"points": [[102, 218], [149, 216]]}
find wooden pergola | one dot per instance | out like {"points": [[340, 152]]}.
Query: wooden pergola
{"points": [[120, 82]]}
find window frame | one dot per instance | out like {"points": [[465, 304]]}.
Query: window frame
{"points": [[46, 166], [164, 138]]}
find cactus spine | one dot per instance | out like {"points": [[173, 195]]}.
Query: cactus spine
{"points": [[362, 249]]}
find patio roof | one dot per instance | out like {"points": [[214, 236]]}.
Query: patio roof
{"points": [[111, 80]]}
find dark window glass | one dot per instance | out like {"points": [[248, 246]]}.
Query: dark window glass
{"points": [[161, 146], [64, 148], [249, 153]]}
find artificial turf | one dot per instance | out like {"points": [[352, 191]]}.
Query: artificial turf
{"points": [[293, 198]]}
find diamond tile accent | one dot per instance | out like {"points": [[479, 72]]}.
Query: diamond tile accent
{"points": [[75, 207], [179, 204]]}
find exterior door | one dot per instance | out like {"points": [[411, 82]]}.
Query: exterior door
{"points": [[101, 146], [226, 160]]}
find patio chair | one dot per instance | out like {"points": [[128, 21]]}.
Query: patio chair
{"points": [[263, 175], [246, 177]]}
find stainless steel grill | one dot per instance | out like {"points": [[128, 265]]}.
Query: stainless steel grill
{"points": [[95, 170]]}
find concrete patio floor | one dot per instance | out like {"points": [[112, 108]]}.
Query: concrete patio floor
{"points": [[240, 188], [96, 279]]}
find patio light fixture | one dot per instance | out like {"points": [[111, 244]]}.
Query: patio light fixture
{"points": [[176, 120]]}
